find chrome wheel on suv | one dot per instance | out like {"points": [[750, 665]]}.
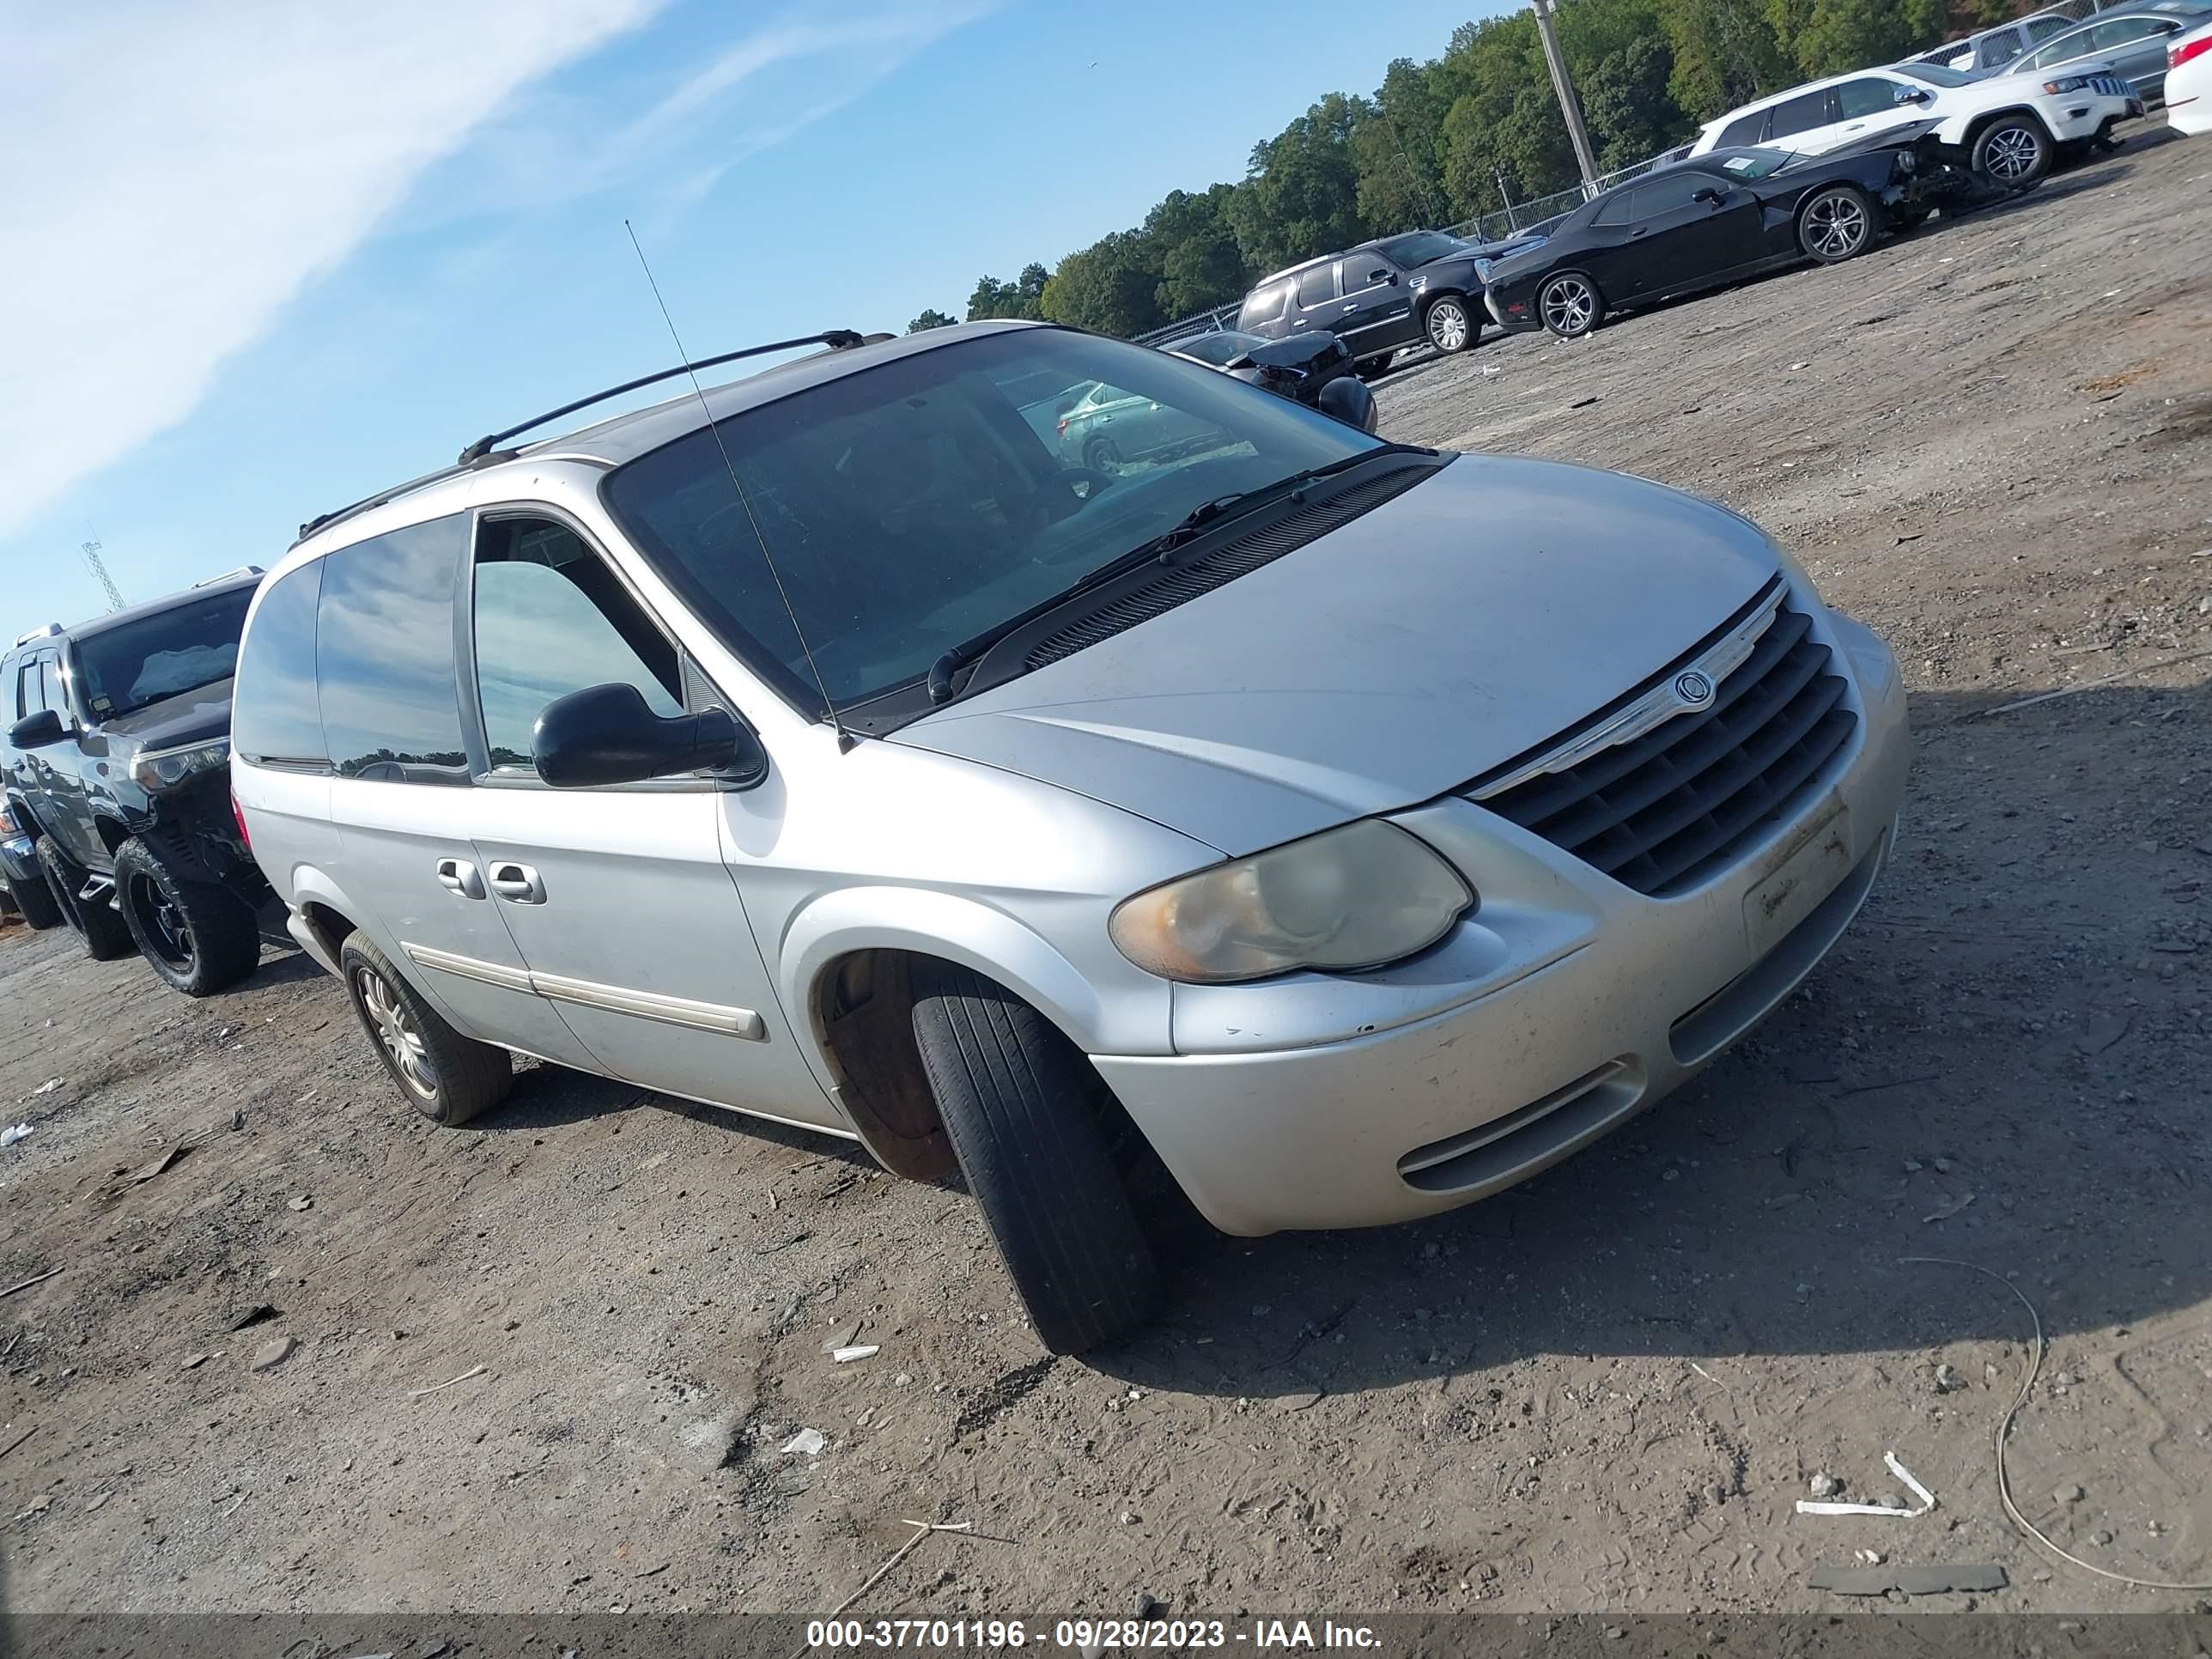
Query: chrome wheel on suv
{"points": [[2013, 152], [1450, 328]]}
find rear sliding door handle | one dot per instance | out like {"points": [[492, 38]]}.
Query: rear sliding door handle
{"points": [[460, 877], [517, 883]]}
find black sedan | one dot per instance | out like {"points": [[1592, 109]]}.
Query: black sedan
{"points": [[1314, 368], [1717, 218]]}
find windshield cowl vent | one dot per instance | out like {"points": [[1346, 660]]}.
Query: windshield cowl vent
{"points": [[1225, 564]]}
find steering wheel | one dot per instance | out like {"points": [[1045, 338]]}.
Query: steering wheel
{"points": [[1067, 476]]}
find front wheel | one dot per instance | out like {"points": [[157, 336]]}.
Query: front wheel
{"points": [[1569, 305], [2012, 152], [1024, 1112], [198, 937], [1835, 224], [105, 934], [449, 1077], [1451, 326]]}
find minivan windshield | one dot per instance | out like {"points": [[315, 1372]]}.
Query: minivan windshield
{"points": [[123, 669], [908, 507]]}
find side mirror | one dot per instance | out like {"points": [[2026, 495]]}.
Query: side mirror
{"points": [[37, 731], [1912, 95], [1348, 398], [607, 734], [1708, 194]]}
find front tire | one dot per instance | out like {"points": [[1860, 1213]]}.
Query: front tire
{"points": [[2012, 152], [105, 935], [1571, 305], [1451, 326], [447, 1076], [1022, 1108], [34, 902], [1835, 224], [198, 937]]}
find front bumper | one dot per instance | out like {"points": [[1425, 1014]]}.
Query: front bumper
{"points": [[1568, 1004]]}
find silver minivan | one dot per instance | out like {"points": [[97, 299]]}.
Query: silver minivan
{"points": [[1346, 829]]}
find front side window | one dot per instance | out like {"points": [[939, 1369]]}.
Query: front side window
{"points": [[908, 507], [275, 712], [1869, 95], [551, 618], [52, 692], [30, 691], [182, 648], [383, 655], [1671, 192]]}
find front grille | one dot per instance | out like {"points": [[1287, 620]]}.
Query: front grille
{"points": [[1225, 564], [2113, 85], [1662, 811]]}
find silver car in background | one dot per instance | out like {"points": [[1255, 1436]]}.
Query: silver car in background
{"points": [[1342, 829]]}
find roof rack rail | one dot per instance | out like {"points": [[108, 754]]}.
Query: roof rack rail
{"points": [[238, 570], [45, 632], [837, 339], [323, 520]]}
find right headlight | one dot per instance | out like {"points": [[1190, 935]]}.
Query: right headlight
{"points": [[1357, 896], [2066, 84]]}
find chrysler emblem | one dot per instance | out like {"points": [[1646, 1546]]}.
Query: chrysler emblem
{"points": [[1694, 688]]}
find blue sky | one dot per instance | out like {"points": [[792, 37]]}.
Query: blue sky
{"points": [[271, 257]]}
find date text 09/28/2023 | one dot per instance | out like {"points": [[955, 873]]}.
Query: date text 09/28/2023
{"points": [[1087, 1634]]}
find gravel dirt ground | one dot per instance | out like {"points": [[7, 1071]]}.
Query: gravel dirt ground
{"points": [[1992, 441]]}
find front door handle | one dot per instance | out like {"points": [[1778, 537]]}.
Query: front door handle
{"points": [[460, 877], [517, 881]]}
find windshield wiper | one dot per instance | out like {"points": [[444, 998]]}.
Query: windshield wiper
{"points": [[1156, 550]]}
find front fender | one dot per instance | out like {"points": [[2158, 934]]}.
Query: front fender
{"points": [[1133, 1020]]}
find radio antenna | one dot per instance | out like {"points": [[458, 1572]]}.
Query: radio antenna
{"points": [[844, 737]]}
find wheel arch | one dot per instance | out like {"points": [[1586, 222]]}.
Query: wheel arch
{"points": [[846, 963], [1977, 125], [320, 917]]}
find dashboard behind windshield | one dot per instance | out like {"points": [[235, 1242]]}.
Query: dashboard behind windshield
{"points": [[908, 506]]}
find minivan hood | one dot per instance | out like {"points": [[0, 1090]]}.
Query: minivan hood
{"points": [[1458, 625], [189, 717]]}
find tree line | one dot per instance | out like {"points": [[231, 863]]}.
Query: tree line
{"points": [[1442, 142]]}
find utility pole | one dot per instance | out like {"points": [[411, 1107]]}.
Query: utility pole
{"points": [[1584, 158], [91, 551]]}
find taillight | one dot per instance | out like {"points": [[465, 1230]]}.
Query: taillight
{"points": [[2182, 51], [1063, 426], [238, 813]]}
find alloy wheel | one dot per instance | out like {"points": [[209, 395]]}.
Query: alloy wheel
{"points": [[1836, 225], [1447, 325], [161, 923], [2013, 153], [1568, 306], [410, 1056]]}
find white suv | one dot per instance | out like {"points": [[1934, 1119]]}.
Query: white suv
{"points": [[2009, 127]]}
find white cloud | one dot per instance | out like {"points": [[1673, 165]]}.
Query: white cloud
{"points": [[177, 174]]}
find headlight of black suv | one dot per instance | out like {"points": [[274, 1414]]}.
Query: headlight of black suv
{"points": [[159, 770]]}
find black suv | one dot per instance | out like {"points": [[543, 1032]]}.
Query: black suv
{"points": [[117, 762], [1381, 295]]}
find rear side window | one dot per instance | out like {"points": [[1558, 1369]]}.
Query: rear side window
{"points": [[1801, 114], [275, 717], [1263, 305], [1744, 129], [383, 655], [1317, 285], [1615, 209]]}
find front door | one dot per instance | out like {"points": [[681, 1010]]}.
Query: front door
{"points": [[1679, 241], [619, 898], [1868, 107], [1376, 314]]}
